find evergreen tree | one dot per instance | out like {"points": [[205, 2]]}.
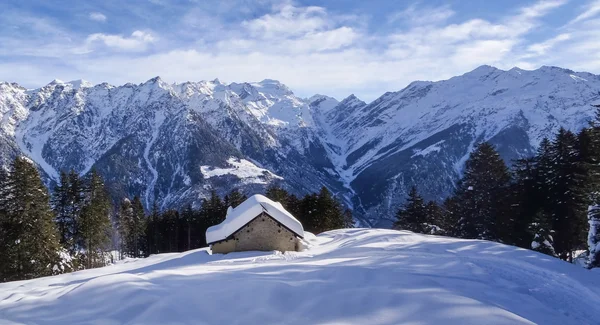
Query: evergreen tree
{"points": [[481, 194], [591, 159], [67, 203], [138, 227], [293, 206], [189, 218], [133, 227], [331, 212], [567, 188], [5, 228], [594, 236], [348, 221], [435, 219], [413, 215], [525, 201], [94, 221], [234, 198], [170, 226], [451, 216], [29, 246], [541, 232], [60, 204], [277, 194], [214, 209], [152, 230], [309, 213]]}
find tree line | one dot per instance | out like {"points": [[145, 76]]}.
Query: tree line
{"points": [[548, 203], [79, 227], [180, 230]]}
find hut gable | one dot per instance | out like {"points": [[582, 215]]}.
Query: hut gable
{"points": [[257, 224]]}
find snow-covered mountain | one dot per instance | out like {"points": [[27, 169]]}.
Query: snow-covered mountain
{"points": [[173, 143], [350, 276]]}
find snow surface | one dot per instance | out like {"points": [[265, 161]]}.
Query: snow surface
{"points": [[241, 168], [248, 210], [345, 277]]}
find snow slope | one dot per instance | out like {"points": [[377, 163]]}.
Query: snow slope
{"points": [[346, 277]]}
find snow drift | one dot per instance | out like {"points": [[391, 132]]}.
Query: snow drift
{"points": [[354, 276]]}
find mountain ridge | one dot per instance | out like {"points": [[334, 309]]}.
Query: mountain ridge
{"points": [[369, 154]]}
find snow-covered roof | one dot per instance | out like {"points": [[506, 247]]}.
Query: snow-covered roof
{"points": [[248, 210]]}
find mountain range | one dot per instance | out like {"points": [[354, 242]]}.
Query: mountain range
{"points": [[174, 143]]}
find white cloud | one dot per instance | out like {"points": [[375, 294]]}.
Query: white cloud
{"points": [[97, 16], [289, 21], [422, 16], [138, 41], [543, 47], [591, 10], [312, 49]]}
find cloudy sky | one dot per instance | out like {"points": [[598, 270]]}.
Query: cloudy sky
{"points": [[333, 47]]}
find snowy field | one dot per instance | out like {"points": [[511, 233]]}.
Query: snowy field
{"points": [[355, 276]]}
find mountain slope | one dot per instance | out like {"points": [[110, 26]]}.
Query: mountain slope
{"points": [[346, 277], [423, 134], [155, 139], [152, 139]]}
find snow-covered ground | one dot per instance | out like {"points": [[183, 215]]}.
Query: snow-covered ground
{"points": [[354, 276]]}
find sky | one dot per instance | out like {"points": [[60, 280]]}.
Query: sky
{"points": [[331, 47]]}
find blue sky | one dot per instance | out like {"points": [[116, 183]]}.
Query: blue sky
{"points": [[333, 47]]}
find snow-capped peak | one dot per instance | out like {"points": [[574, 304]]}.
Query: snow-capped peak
{"points": [[56, 82], [80, 83], [483, 70], [322, 102]]}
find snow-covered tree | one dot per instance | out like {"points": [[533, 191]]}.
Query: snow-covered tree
{"points": [[541, 232], [594, 236]]}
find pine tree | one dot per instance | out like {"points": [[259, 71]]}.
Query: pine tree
{"points": [[138, 227], [525, 201], [348, 219], [67, 203], [216, 209], [30, 244], [5, 228], [569, 200], [234, 198], [277, 194], [293, 206], [60, 204], [541, 233], [309, 213], [170, 226], [330, 211], [435, 219], [94, 221], [128, 228], [413, 215], [480, 196], [591, 158], [594, 236], [189, 218], [152, 227]]}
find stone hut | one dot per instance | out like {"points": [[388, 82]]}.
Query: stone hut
{"points": [[257, 224]]}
